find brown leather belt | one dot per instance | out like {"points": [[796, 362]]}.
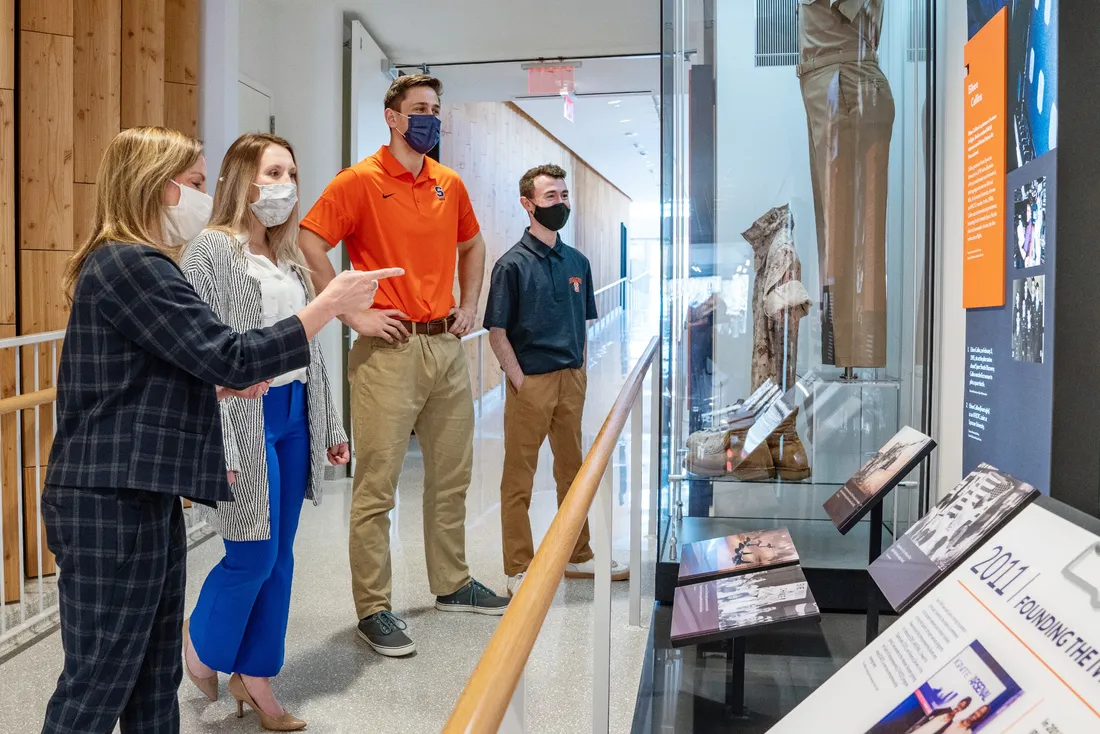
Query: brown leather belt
{"points": [[429, 328], [832, 59]]}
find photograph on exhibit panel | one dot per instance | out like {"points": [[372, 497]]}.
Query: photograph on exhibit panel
{"points": [[1032, 80], [1029, 220], [1028, 315], [980, 505], [892, 463], [969, 514], [965, 695], [734, 554], [734, 606]]}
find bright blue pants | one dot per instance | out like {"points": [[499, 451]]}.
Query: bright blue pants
{"points": [[239, 623]]}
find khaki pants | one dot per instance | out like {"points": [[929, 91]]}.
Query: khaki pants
{"points": [[550, 404], [850, 112], [421, 385]]}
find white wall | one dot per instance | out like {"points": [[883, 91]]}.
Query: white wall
{"points": [[951, 337], [260, 59], [218, 68], [369, 130]]}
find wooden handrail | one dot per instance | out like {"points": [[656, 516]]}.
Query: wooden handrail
{"points": [[27, 400], [484, 701]]}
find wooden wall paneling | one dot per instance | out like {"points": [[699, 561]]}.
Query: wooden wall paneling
{"points": [[7, 44], [43, 308], [83, 211], [9, 473], [48, 16], [42, 303], [97, 81], [7, 207], [181, 41], [33, 528], [182, 107], [46, 142], [143, 69]]}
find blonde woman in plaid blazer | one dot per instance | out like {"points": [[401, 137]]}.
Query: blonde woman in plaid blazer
{"points": [[138, 427]]}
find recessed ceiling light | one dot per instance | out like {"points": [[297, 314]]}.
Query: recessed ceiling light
{"points": [[632, 135], [615, 102], [624, 121]]}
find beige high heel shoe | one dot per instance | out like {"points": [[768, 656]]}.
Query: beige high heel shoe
{"points": [[208, 686], [286, 722]]}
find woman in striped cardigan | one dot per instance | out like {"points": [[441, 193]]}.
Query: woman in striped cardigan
{"points": [[248, 267]]}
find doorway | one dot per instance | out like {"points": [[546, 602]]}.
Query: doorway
{"points": [[255, 112]]}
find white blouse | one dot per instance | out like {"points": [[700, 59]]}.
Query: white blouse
{"points": [[283, 296]]}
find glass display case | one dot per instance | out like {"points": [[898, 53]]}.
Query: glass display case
{"points": [[797, 175], [795, 260]]}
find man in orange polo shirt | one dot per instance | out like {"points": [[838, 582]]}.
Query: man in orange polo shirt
{"points": [[407, 370]]}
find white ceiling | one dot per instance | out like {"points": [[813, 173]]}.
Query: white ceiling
{"points": [[474, 30], [440, 31]]}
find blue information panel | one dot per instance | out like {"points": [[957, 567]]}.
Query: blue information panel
{"points": [[1009, 360]]}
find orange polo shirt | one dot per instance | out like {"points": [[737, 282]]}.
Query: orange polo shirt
{"points": [[389, 219]]}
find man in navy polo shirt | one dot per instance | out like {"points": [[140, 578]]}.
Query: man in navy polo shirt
{"points": [[540, 300]]}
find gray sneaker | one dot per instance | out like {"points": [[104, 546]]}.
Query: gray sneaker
{"points": [[473, 597], [386, 634]]}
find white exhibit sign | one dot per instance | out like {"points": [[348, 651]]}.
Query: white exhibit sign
{"points": [[1008, 643]]}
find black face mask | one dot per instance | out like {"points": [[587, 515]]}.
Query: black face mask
{"points": [[552, 217]]}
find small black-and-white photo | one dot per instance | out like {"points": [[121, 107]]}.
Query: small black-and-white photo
{"points": [[1028, 313]]}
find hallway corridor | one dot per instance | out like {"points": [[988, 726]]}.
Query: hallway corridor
{"points": [[337, 684]]}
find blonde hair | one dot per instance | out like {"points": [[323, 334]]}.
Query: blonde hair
{"points": [[136, 167], [232, 211]]}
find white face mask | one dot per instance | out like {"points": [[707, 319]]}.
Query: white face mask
{"points": [[186, 220], [275, 204]]}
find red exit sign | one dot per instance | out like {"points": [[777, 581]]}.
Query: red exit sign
{"points": [[550, 80]]}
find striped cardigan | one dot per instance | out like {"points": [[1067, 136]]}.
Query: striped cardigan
{"points": [[215, 264]]}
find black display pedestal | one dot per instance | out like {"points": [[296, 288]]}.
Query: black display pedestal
{"points": [[735, 677], [733, 651], [875, 600]]}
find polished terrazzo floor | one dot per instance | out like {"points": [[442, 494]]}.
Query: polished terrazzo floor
{"points": [[338, 685]]}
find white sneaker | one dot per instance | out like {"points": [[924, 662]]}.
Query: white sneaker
{"points": [[587, 570], [514, 582]]}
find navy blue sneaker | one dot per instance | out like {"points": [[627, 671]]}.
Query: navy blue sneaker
{"points": [[475, 598]]}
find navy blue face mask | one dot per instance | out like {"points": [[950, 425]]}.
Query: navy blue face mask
{"points": [[423, 132]]}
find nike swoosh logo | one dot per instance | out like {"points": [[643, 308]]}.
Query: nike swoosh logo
{"points": [[386, 196]]}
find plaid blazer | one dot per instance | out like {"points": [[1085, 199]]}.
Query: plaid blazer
{"points": [[136, 407]]}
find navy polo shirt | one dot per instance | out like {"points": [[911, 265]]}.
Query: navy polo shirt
{"points": [[542, 297]]}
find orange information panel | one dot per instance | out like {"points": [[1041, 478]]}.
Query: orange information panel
{"points": [[986, 151]]}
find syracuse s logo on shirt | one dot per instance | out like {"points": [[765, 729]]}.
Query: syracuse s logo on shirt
{"points": [[576, 284], [439, 192]]}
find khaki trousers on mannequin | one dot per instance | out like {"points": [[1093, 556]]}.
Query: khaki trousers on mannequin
{"points": [[548, 405], [421, 384], [850, 112]]}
